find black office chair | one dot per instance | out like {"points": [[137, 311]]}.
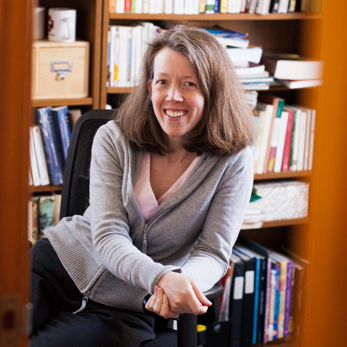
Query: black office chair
{"points": [[75, 200]]}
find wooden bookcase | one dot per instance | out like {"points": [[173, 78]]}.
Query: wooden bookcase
{"points": [[88, 28], [290, 33]]}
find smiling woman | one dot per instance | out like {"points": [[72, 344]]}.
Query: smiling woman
{"points": [[170, 181]]}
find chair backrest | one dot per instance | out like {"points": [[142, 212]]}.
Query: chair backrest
{"points": [[75, 192]]}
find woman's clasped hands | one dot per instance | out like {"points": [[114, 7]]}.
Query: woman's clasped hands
{"points": [[176, 294]]}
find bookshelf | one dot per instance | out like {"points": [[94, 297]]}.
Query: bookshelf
{"points": [[291, 33]]}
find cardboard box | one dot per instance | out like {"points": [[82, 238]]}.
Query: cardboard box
{"points": [[60, 70]]}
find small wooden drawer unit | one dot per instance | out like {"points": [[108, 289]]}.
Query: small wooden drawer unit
{"points": [[60, 70]]}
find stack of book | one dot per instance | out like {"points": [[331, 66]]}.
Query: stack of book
{"points": [[126, 47], [213, 6], [263, 296], [44, 211], [49, 143], [255, 212], [292, 71], [245, 58], [285, 136]]}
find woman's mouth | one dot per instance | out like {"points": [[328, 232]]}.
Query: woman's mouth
{"points": [[175, 114]]}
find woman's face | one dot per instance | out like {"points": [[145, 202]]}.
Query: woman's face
{"points": [[176, 96]]}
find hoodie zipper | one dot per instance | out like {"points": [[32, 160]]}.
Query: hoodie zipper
{"points": [[84, 302]]}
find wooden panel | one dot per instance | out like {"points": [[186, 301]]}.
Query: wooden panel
{"points": [[15, 62]]}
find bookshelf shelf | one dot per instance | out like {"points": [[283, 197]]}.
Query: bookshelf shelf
{"points": [[44, 189], [279, 175], [278, 223], [216, 17], [61, 102]]}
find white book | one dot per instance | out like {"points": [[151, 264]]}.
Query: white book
{"points": [[307, 139], [152, 6], [145, 6], [108, 81], [283, 6], [263, 7], [40, 155], [188, 7], [120, 6], [138, 6], [160, 6], [238, 6], [281, 141], [301, 150], [123, 56], [112, 54], [116, 58], [313, 125], [232, 6], [133, 56], [168, 8], [138, 52], [129, 48], [253, 6], [34, 174], [209, 6], [267, 125], [179, 6], [195, 6], [252, 54], [243, 5]]}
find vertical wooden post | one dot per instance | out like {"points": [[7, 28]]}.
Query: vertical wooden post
{"points": [[15, 115]]}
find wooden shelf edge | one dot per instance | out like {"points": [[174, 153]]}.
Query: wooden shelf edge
{"points": [[285, 174], [61, 102], [44, 189], [276, 223], [216, 17]]}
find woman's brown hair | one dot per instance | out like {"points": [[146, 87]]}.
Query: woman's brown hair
{"points": [[227, 125]]}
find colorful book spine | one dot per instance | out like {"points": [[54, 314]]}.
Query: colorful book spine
{"points": [[127, 6], [50, 142], [210, 6], [288, 298], [277, 302], [223, 6], [62, 127], [288, 142], [216, 6], [202, 6]]}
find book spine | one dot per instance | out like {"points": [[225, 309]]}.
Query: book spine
{"points": [[267, 299], [112, 6], [256, 301], [168, 6], [202, 6], [223, 6], [179, 7], [274, 143], [313, 125], [127, 6], [120, 6], [262, 302], [45, 121], [210, 6], [301, 149], [281, 142], [307, 140], [292, 140], [63, 126], [288, 298], [277, 301], [145, 6], [281, 310], [33, 161], [288, 142], [138, 7], [40, 155], [216, 6], [270, 331]]}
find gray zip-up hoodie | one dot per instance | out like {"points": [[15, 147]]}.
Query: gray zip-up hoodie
{"points": [[116, 258]]}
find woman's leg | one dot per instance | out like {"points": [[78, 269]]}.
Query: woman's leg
{"points": [[55, 297]]}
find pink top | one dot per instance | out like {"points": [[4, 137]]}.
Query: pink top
{"points": [[143, 190]]}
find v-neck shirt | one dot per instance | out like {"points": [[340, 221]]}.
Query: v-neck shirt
{"points": [[143, 190]]}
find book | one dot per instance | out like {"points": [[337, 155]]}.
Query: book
{"points": [[250, 54], [223, 6], [261, 114], [275, 135], [292, 69], [44, 119], [74, 114], [236, 300], [224, 301], [62, 127], [250, 69], [263, 7], [313, 125], [257, 79], [56, 208], [248, 298], [168, 7], [281, 141], [127, 6], [268, 109], [288, 141], [209, 6], [40, 155], [34, 203], [202, 6], [302, 135], [112, 6], [33, 161], [120, 6], [294, 84], [46, 213]]}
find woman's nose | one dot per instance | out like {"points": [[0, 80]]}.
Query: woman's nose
{"points": [[174, 94]]}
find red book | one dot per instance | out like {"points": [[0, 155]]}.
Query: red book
{"points": [[127, 6], [288, 141]]}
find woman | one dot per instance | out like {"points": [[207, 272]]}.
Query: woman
{"points": [[170, 181]]}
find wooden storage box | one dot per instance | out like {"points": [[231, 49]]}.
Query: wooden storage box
{"points": [[60, 70]]}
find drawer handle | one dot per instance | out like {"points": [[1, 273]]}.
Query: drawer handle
{"points": [[59, 70]]}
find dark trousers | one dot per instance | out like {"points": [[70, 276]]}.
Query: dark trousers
{"points": [[55, 297]]}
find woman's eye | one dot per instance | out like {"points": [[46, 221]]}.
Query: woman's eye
{"points": [[161, 82], [191, 84]]}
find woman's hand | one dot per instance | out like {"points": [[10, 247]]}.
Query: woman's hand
{"points": [[183, 294], [159, 304]]}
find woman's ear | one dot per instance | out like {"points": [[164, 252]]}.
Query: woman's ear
{"points": [[149, 86]]}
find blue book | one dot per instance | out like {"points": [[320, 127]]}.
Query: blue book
{"points": [[216, 6], [277, 300], [62, 128], [44, 119]]}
